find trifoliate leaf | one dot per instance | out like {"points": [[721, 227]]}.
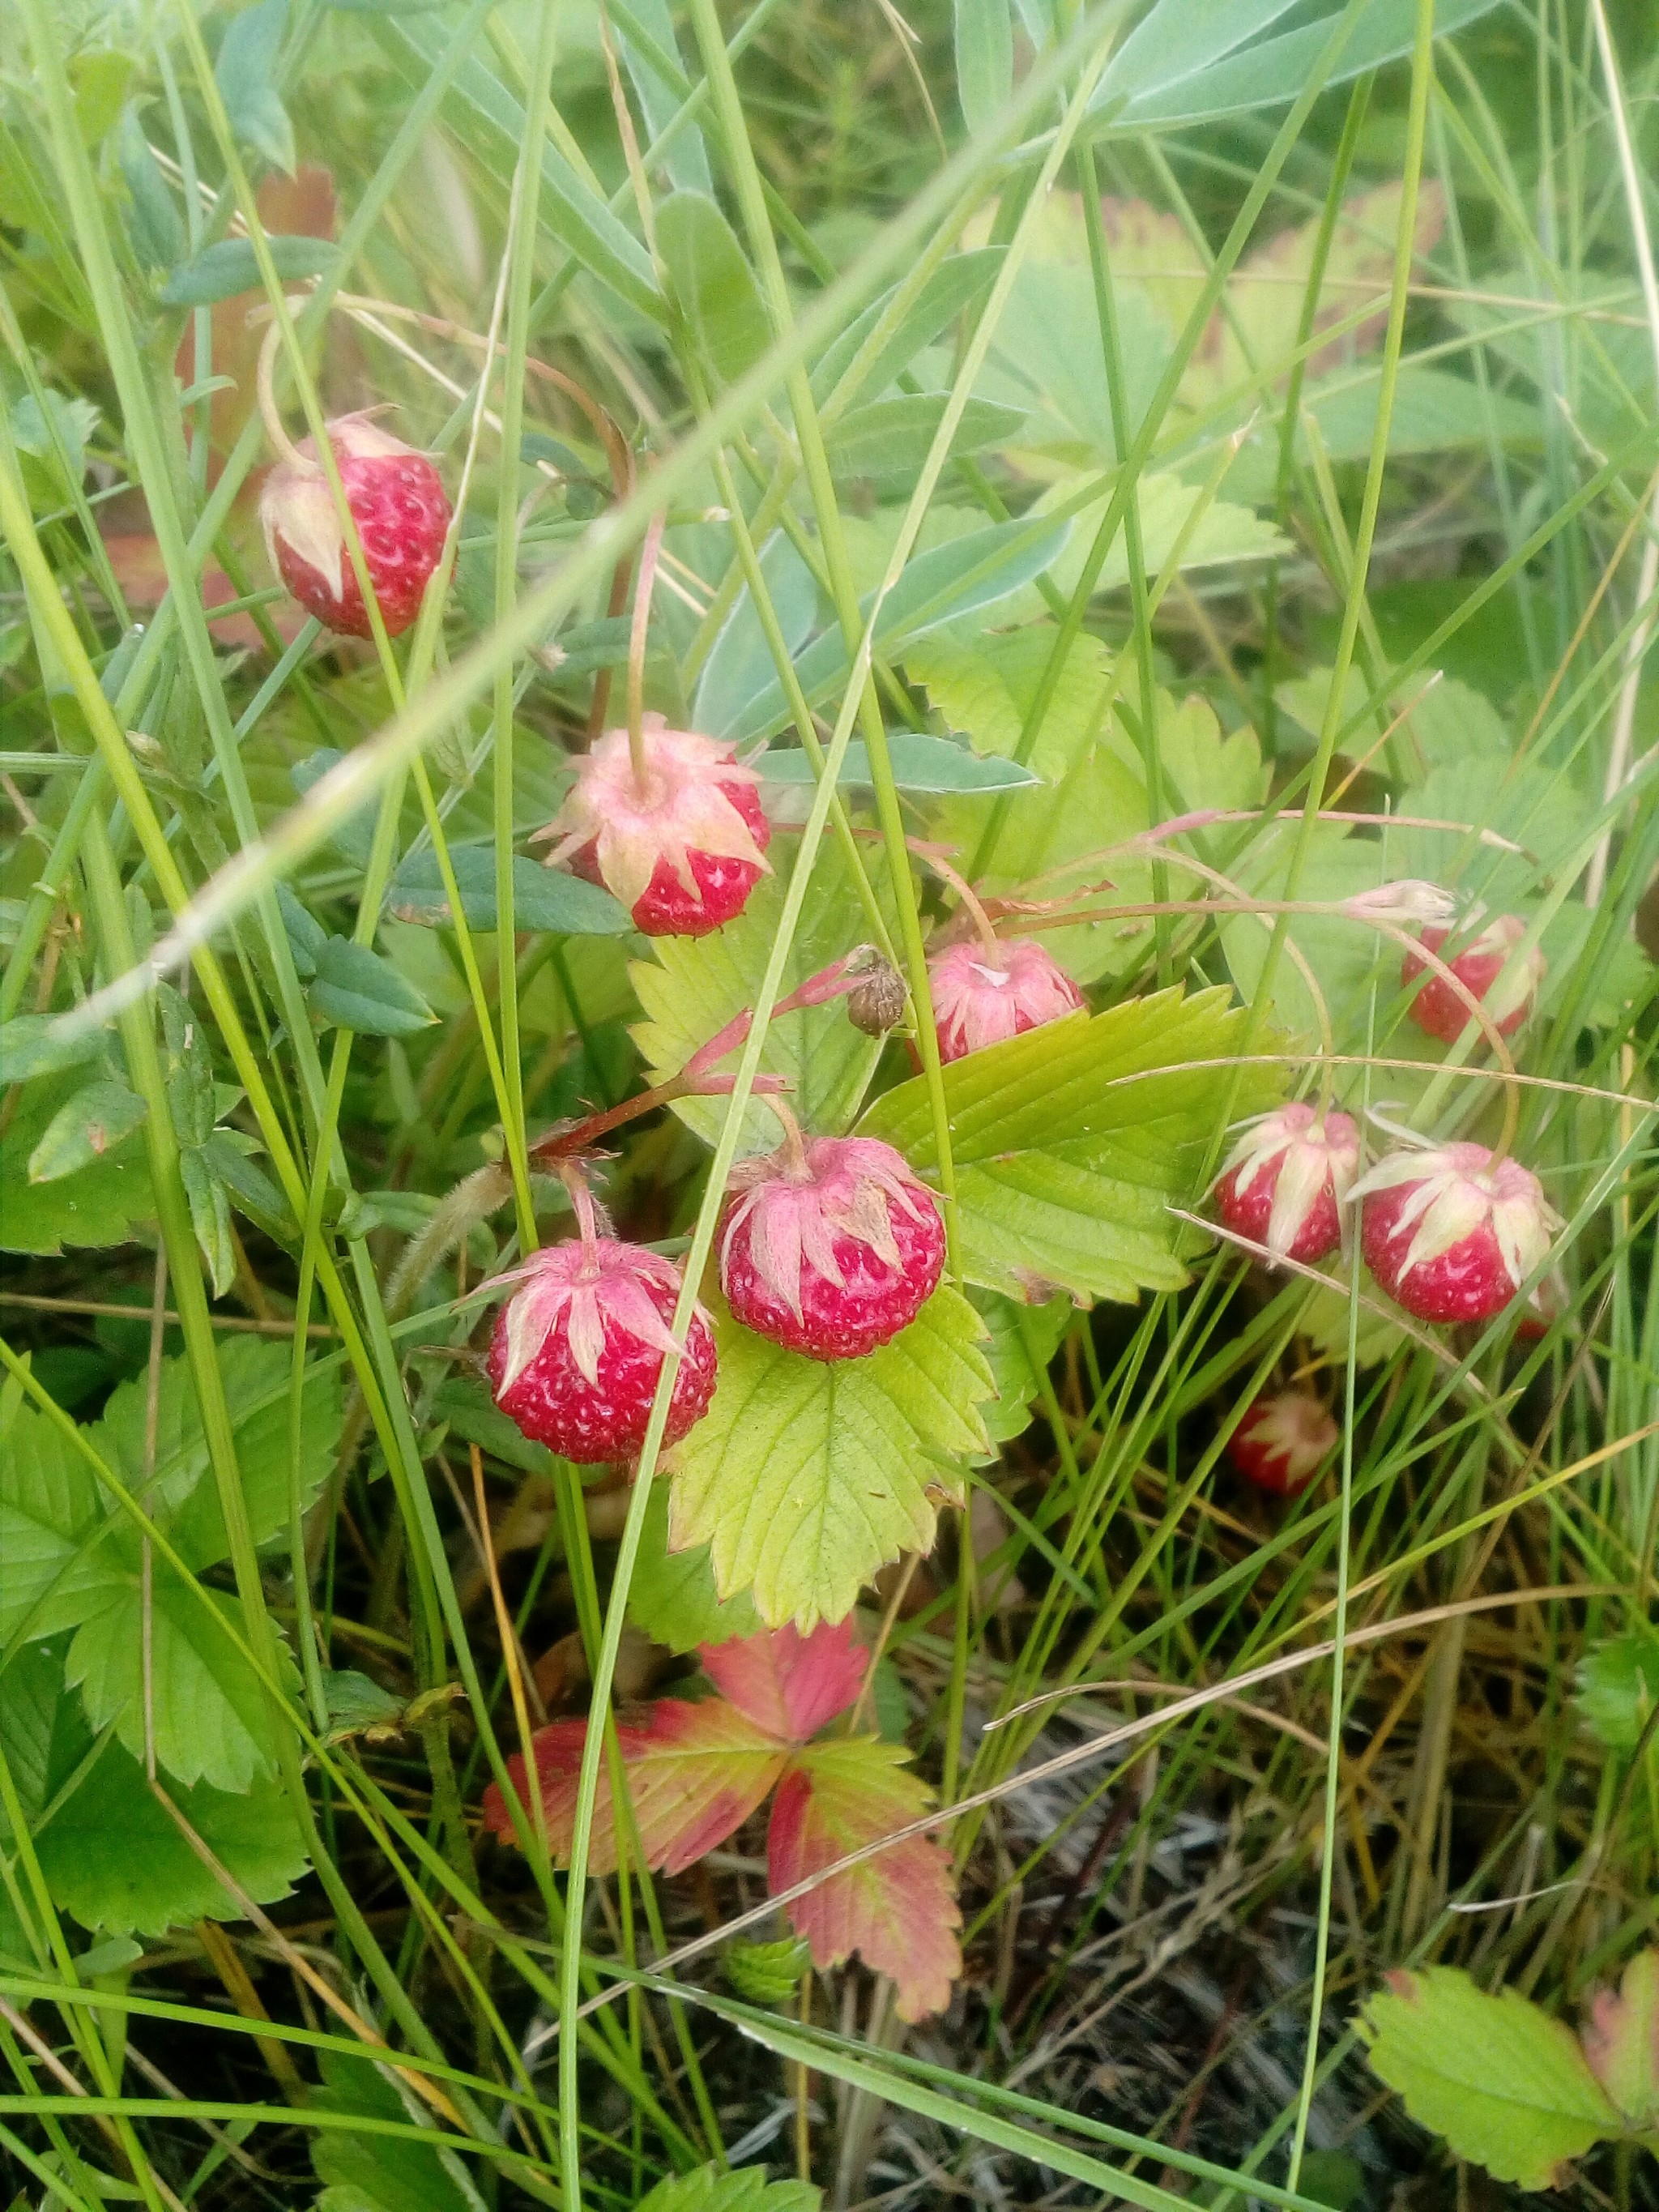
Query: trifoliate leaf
{"points": [[673, 1595], [694, 985], [806, 1476], [1071, 1141], [1508, 2087], [898, 1910], [84, 1128], [99, 1204], [694, 1774]]}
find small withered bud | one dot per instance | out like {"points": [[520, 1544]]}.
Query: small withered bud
{"points": [[875, 1004]]}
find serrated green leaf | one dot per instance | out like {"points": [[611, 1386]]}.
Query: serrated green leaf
{"points": [[549, 899], [155, 1880], [52, 444], [246, 73], [692, 986], [256, 1377], [357, 988], [378, 2173], [1018, 1335], [35, 1044], [712, 282], [985, 60], [673, 1597], [920, 761], [711, 2189], [222, 269], [211, 1724], [890, 439], [99, 1205], [1071, 1142], [84, 1128], [1507, 2087], [50, 1510], [766, 1974], [806, 1476]]}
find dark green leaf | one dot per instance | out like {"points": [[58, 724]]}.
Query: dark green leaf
{"points": [[985, 60], [251, 1189], [467, 1407], [86, 1126], [740, 662], [220, 271], [352, 839], [99, 1205], [549, 899], [356, 1704], [246, 73], [355, 988], [713, 286], [378, 2173], [210, 1217], [920, 761]]}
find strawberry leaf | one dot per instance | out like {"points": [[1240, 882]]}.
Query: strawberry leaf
{"points": [[694, 985], [1622, 2041], [805, 1475], [673, 1595], [694, 1774], [898, 1911], [787, 1683], [1508, 2087], [710, 2190], [1070, 1143], [99, 1204], [1024, 1338]]}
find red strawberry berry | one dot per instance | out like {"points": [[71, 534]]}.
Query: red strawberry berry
{"points": [[985, 994], [1437, 1007], [1282, 1442], [579, 1346], [1285, 1181], [830, 1248], [684, 850], [396, 501], [1451, 1234]]}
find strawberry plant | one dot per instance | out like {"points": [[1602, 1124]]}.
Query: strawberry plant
{"points": [[828, 1343]]}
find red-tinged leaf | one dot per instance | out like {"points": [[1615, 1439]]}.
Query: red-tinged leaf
{"points": [[1622, 2041], [897, 1909], [789, 1684], [695, 1775]]}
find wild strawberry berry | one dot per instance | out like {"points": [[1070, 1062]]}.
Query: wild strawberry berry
{"points": [[1282, 1442], [396, 501], [1437, 1007], [985, 994], [1285, 1181], [830, 1248], [683, 849], [579, 1346], [1449, 1233]]}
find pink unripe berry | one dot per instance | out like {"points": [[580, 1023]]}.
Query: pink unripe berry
{"points": [[1437, 1007], [1282, 1442], [682, 850], [986, 993], [579, 1346], [830, 1247], [402, 516], [1286, 1178], [1450, 1233]]}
